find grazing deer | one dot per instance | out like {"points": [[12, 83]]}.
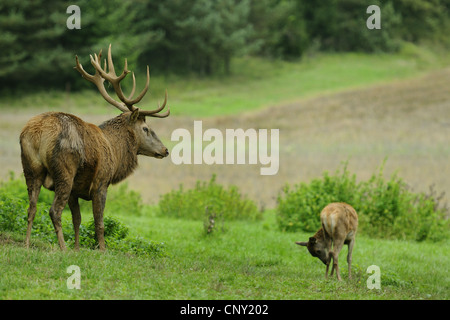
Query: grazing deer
{"points": [[76, 159], [339, 224]]}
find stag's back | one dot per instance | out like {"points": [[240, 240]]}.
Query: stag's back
{"points": [[49, 133], [54, 139]]}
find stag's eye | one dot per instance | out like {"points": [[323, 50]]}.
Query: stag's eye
{"points": [[145, 130], [318, 252]]}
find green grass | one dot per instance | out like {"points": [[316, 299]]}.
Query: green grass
{"points": [[250, 260], [254, 83]]}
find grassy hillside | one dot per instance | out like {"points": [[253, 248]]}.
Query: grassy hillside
{"points": [[231, 259]]}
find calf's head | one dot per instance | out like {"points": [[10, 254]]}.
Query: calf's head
{"points": [[317, 248]]}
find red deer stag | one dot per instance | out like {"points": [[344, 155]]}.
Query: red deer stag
{"points": [[76, 159], [339, 224]]}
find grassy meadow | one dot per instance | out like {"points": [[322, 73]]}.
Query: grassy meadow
{"points": [[329, 109], [249, 260]]}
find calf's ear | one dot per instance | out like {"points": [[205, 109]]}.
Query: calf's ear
{"points": [[303, 244]]}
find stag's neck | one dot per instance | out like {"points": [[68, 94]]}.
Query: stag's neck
{"points": [[124, 148]]}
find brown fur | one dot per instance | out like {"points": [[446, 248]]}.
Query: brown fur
{"points": [[76, 159], [339, 225]]}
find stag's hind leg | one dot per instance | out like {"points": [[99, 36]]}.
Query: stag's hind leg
{"points": [[34, 188], [76, 219], [55, 212], [63, 175], [34, 177]]}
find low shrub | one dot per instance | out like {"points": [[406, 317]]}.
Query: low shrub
{"points": [[141, 246], [9, 219], [192, 203], [116, 238], [119, 199], [14, 218], [386, 208], [299, 206], [212, 222], [114, 231]]}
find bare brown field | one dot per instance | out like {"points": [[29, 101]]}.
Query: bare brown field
{"points": [[407, 122]]}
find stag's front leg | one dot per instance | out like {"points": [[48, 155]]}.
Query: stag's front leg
{"points": [[98, 205]]}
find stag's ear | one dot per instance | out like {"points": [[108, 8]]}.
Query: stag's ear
{"points": [[303, 244], [134, 115]]}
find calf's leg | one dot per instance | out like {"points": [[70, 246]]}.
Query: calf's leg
{"points": [[335, 254], [349, 257]]}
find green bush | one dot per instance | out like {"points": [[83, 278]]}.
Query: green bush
{"points": [[114, 231], [192, 203], [140, 246], [299, 207], [119, 199], [116, 238], [9, 219], [13, 218], [386, 209]]}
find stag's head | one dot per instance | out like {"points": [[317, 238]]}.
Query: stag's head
{"points": [[147, 140], [148, 143]]}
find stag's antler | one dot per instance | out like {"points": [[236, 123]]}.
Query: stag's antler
{"points": [[127, 102]]}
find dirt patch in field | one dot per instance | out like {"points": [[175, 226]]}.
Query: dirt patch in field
{"points": [[407, 122]]}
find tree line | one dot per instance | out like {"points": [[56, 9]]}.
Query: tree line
{"points": [[200, 36]]}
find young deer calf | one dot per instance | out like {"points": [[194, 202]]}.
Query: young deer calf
{"points": [[339, 224]]}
